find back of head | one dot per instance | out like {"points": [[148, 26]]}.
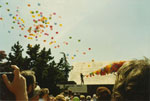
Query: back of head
{"points": [[132, 82], [82, 97], [94, 96], [44, 93], [60, 98], [88, 98], [30, 80], [36, 94], [75, 98], [103, 93], [30, 77]]}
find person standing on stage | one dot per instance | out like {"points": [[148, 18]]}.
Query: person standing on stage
{"points": [[82, 80]]}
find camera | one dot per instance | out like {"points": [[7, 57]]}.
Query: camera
{"points": [[5, 94]]}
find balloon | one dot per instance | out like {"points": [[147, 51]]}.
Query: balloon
{"points": [[10, 14], [54, 13], [32, 34], [1, 18], [66, 43], [60, 25], [52, 38], [70, 37], [8, 10], [109, 68], [89, 65], [51, 27], [25, 36], [30, 45], [30, 38], [46, 34], [39, 4], [29, 30], [50, 43], [84, 53], [29, 5], [89, 48]]}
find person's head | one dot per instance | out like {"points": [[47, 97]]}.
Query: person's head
{"points": [[66, 93], [60, 97], [82, 97], [30, 80], [70, 93], [94, 96], [76, 98], [44, 94], [132, 81], [88, 98], [36, 94], [103, 93]]}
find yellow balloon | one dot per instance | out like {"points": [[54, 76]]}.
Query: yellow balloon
{"points": [[72, 57], [38, 15], [60, 25], [50, 43], [33, 16], [30, 38], [30, 45]]}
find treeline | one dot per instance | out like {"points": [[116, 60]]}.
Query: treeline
{"points": [[47, 71]]}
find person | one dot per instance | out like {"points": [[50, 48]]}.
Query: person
{"points": [[82, 78], [103, 94], [18, 85], [66, 95], [31, 82], [60, 97], [133, 81], [36, 94], [44, 94], [88, 98], [94, 97], [82, 98], [75, 98]]}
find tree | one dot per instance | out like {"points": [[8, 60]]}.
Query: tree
{"points": [[47, 71], [65, 66], [16, 57]]}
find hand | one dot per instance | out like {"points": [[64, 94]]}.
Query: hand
{"points": [[18, 85]]}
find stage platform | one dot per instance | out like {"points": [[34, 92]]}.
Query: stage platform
{"points": [[89, 89]]}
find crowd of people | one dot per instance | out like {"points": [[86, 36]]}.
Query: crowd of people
{"points": [[132, 84]]}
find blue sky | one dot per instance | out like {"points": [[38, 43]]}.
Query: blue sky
{"points": [[114, 29]]}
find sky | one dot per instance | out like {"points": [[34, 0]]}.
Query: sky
{"points": [[99, 30]]}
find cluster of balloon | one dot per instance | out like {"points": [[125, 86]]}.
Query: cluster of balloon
{"points": [[41, 27]]}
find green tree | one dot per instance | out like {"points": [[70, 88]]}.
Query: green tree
{"points": [[47, 71], [16, 57], [64, 66]]}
